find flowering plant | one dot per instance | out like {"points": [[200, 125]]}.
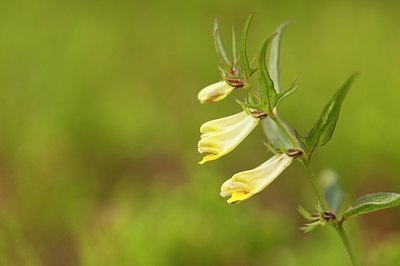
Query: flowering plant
{"points": [[223, 135]]}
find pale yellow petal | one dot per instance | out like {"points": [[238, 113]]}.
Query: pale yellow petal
{"points": [[221, 136], [247, 183], [215, 92]]}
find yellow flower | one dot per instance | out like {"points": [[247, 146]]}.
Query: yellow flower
{"points": [[221, 136], [245, 184], [215, 92]]}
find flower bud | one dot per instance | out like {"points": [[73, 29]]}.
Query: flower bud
{"points": [[215, 92]]}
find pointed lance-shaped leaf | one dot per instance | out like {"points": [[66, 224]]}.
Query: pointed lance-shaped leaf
{"points": [[243, 60], [283, 95], [219, 47], [274, 55], [267, 91], [371, 203], [234, 50], [323, 129]]}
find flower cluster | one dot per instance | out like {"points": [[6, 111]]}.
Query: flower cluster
{"points": [[221, 136]]}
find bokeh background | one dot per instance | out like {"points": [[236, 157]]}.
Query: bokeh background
{"points": [[100, 122]]}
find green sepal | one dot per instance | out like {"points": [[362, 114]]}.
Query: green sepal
{"points": [[271, 148], [243, 59], [274, 54], [318, 207], [267, 92], [246, 106], [317, 219], [219, 47], [371, 203], [306, 214], [311, 226], [300, 138], [323, 129]]}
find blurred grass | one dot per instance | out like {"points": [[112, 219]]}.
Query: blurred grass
{"points": [[99, 116]]}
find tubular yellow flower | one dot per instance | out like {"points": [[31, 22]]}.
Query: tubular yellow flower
{"points": [[245, 184], [215, 92], [221, 136]]}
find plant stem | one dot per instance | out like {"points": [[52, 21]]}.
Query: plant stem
{"points": [[338, 226], [311, 174], [343, 236], [313, 180]]}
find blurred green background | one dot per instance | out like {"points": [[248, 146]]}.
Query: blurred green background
{"points": [[100, 123]]}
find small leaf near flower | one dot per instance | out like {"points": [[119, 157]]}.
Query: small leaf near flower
{"points": [[243, 60], [219, 47], [267, 92], [323, 129], [283, 95], [274, 54], [371, 203]]}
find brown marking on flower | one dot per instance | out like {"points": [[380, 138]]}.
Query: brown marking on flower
{"points": [[258, 114]]}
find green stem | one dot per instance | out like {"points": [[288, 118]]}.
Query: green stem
{"points": [[346, 243], [338, 226], [311, 175], [313, 180]]}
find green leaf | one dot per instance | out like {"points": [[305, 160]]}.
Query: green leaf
{"points": [[283, 95], [219, 47], [267, 92], [371, 203], [246, 105], [323, 129], [243, 60], [274, 54], [300, 138]]}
